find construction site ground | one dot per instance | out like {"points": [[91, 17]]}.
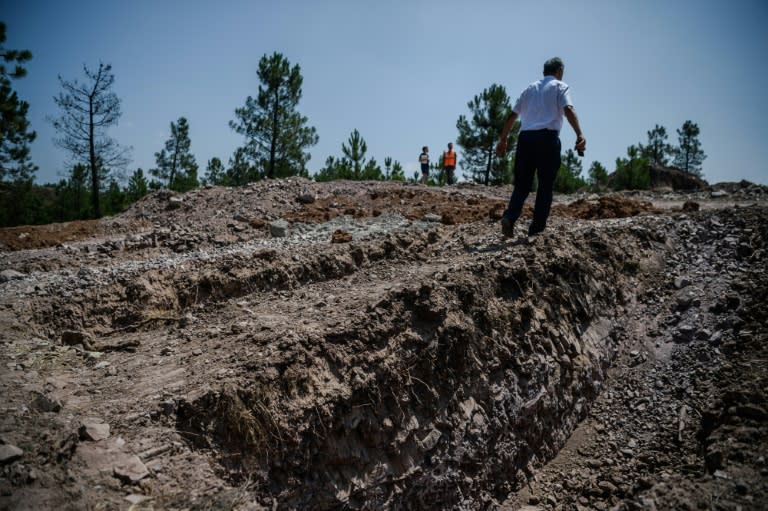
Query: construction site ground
{"points": [[379, 345]]}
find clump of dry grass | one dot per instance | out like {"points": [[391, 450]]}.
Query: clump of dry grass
{"points": [[249, 424]]}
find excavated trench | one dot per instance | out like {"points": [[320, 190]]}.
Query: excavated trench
{"points": [[449, 371]]}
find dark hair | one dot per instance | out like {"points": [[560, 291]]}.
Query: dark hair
{"points": [[553, 65], [423, 148]]}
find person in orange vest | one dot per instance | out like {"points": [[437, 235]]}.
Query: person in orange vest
{"points": [[449, 164]]}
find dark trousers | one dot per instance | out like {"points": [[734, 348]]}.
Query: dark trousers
{"points": [[450, 177], [536, 151]]}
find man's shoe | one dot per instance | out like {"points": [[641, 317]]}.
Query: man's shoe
{"points": [[507, 227]]}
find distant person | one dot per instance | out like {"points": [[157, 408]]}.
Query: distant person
{"points": [[424, 160], [449, 164], [541, 107]]}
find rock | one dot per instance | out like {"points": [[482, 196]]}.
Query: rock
{"points": [[131, 470], [681, 282], [136, 499], [45, 404], [306, 198], [685, 333], [7, 275], [279, 228], [9, 453], [718, 194], [430, 441], [684, 301], [713, 460], [593, 463], [744, 250], [187, 320], [75, 337], [690, 206], [607, 487], [751, 411], [175, 202], [168, 407], [93, 430], [340, 236], [432, 218]]}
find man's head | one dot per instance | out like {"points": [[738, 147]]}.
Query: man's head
{"points": [[554, 67], [424, 149], [450, 146]]}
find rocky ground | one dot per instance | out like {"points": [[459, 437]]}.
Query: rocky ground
{"points": [[295, 345]]}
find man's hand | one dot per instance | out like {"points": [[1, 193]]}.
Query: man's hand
{"points": [[501, 148], [581, 145]]}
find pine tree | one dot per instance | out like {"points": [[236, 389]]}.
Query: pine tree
{"points": [[355, 150], [688, 156], [176, 165], [631, 172], [87, 110], [479, 135], [397, 172], [568, 178], [658, 150], [137, 186], [276, 134], [335, 168], [240, 170], [15, 135], [598, 174], [114, 198], [214, 172]]}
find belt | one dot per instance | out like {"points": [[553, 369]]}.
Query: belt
{"points": [[544, 130]]}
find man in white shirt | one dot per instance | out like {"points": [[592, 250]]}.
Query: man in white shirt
{"points": [[541, 107]]}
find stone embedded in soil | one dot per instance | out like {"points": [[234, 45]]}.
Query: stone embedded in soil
{"points": [[44, 403], [136, 499], [340, 236], [430, 441], [278, 228], [131, 470], [75, 337], [7, 275], [94, 430], [9, 453]]}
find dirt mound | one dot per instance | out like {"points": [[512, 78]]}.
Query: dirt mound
{"points": [[216, 216], [40, 236], [297, 345], [674, 178], [611, 206]]}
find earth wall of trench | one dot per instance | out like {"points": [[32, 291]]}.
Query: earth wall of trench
{"points": [[446, 393]]}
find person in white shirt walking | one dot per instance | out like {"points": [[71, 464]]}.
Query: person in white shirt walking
{"points": [[541, 107]]}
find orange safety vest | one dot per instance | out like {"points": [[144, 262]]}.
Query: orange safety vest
{"points": [[449, 159]]}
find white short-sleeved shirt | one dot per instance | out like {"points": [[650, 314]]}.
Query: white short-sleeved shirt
{"points": [[541, 105]]}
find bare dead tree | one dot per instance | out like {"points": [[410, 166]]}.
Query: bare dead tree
{"points": [[87, 110]]}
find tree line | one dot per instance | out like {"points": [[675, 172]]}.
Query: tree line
{"points": [[277, 139]]}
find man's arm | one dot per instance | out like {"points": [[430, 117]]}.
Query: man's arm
{"points": [[573, 120], [501, 148]]}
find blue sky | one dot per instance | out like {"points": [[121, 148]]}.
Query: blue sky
{"points": [[401, 72]]}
